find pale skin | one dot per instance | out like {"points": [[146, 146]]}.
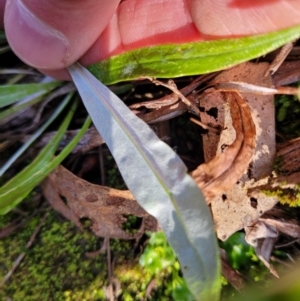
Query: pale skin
{"points": [[52, 34]]}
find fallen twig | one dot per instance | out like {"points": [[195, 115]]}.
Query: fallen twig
{"points": [[279, 59]]}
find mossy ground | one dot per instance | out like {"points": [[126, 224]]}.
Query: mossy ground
{"points": [[56, 267]]}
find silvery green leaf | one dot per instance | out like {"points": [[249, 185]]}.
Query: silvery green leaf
{"points": [[159, 181]]}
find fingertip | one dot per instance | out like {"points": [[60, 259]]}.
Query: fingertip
{"points": [[35, 42], [54, 34], [61, 74]]}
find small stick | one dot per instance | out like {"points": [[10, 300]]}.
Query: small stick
{"points": [[173, 98], [204, 126], [171, 85], [279, 59], [245, 87], [98, 252], [22, 255], [101, 161], [109, 267]]}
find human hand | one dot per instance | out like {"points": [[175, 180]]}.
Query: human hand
{"points": [[52, 34]]}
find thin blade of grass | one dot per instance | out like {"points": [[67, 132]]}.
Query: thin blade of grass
{"points": [[16, 189], [10, 94], [27, 144], [4, 49]]}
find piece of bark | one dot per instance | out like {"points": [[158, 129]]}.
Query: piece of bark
{"points": [[107, 208], [289, 158]]}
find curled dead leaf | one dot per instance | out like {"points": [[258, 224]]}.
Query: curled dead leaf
{"points": [[263, 234], [225, 169], [243, 204], [107, 208]]}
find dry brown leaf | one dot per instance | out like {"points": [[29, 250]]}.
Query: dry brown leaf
{"points": [[288, 73], [164, 113], [225, 169], [237, 208], [262, 237], [283, 227], [263, 113], [263, 234], [107, 208]]}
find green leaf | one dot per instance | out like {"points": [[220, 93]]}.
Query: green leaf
{"points": [[19, 106], [15, 190], [34, 136], [12, 93], [159, 181], [195, 58]]}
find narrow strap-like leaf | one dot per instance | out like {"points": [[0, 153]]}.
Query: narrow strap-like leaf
{"points": [[159, 181], [15, 190], [11, 93], [173, 60]]}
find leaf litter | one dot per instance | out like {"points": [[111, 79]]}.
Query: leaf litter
{"points": [[107, 208], [232, 180], [239, 162], [242, 155]]}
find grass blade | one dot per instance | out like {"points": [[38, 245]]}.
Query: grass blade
{"points": [[15, 190], [11, 93], [27, 144], [158, 179]]}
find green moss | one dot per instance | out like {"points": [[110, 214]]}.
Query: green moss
{"points": [[286, 196], [56, 267]]}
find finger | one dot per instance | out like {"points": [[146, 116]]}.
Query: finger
{"points": [[223, 18], [140, 23], [52, 34]]}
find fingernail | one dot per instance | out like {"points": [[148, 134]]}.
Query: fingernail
{"points": [[35, 42]]}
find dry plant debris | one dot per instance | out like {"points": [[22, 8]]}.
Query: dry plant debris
{"points": [[232, 276], [237, 109], [226, 168], [107, 208], [239, 157], [89, 140], [233, 207], [264, 233]]}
